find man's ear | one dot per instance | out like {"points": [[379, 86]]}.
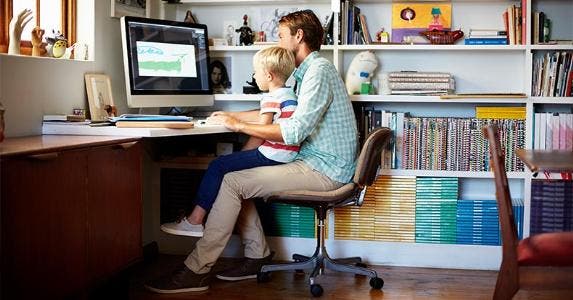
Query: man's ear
{"points": [[299, 35]]}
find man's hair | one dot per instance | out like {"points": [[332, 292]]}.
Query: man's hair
{"points": [[310, 25], [276, 60]]}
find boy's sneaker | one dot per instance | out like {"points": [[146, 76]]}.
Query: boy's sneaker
{"points": [[180, 281], [247, 270], [183, 227]]}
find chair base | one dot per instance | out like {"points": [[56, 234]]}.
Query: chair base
{"points": [[318, 262]]}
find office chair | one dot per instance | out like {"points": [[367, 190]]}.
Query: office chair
{"points": [[542, 261], [349, 194]]}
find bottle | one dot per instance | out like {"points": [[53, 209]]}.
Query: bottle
{"points": [[546, 30]]}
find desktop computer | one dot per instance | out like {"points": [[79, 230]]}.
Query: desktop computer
{"points": [[166, 63]]}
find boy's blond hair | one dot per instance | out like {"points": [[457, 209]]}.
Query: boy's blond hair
{"points": [[276, 60]]}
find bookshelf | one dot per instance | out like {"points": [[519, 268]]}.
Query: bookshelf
{"points": [[477, 69]]}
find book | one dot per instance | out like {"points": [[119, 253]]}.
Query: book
{"points": [[150, 118], [419, 74], [64, 118], [488, 41]]}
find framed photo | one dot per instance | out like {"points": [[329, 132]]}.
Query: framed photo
{"points": [[135, 8], [100, 99], [220, 74]]}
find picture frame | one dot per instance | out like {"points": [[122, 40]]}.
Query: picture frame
{"points": [[135, 8], [220, 74], [100, 98]]}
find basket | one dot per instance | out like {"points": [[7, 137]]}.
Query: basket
{"points": [[442, 37]]}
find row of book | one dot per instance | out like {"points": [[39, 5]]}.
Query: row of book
{"points": [[353, 27], [457, 144], [551, 206], [553, 75], [422, 210], [515, 20], [486, 37], [419, 83], [553, 131]]}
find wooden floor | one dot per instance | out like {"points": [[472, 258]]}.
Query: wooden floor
{"points": [[400, 283]]}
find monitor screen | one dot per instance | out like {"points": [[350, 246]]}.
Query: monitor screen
{"points": [[166, 63]]}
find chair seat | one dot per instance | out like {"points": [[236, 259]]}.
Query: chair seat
{"points": [[313, 198], [546, 249]]}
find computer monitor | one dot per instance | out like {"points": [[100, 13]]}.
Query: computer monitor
{"points": [[166, 63]]}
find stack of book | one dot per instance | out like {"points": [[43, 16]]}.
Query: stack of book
{"points": [[486, 37], [551, 206], [420, 83], [436, 208]]}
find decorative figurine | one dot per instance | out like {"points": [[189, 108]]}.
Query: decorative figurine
{"points": [[247, 36], [189, 18], [38, 49], [17, 24], [252, 88], [360, 71], [382, 36], [56, 44]]}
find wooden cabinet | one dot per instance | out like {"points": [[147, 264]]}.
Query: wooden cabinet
{"points": [[69, 218]]}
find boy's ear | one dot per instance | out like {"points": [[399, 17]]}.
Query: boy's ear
{"points": [[270, 76]]}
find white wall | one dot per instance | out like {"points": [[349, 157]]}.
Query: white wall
{"points": [[31, 87]]}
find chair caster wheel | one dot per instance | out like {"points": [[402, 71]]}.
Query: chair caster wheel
{"points": [[263, 277], [316, 290], [361, 265], [376, 283]]}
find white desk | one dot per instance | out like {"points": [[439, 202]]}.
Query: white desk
{"points": [[68, 129]]}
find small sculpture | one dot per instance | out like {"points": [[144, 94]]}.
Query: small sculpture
{"points": [[38, 49], [17, 24], [247, 36], [360, 71], [442, 37], [189, 18], [252, 87], [56, 44]]}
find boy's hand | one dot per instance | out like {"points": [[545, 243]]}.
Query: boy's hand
{"points": [[227, 121]]}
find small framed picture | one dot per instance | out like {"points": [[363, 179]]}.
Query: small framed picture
{"points": [[135, 8], [100, 99], [220, 74]]}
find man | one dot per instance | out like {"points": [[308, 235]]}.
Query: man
{"points": [[323, 124]]}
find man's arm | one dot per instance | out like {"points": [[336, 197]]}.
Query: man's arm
{"points": [[271, 132]]}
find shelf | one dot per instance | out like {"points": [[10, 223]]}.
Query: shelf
{"points": [[431, 99], [552, 47], [255, 48], [552, 100], [427, 47], [251, 2], [462, 174]]}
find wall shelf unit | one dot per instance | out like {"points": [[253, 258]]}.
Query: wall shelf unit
{"points": [[476, 69]]}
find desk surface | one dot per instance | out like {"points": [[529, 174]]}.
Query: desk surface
{"points": [[67, 129], [31, 145], [539, 160]]}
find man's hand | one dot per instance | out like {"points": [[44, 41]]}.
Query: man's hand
{"points": [[226, 120]]}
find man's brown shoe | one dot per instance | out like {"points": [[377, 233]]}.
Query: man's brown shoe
{"points": [[249, 269], [180, 281]]}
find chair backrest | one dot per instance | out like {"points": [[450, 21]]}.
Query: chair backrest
{"points": [[506, 221], [371, 155]]}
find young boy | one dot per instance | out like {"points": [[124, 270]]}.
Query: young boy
{"points": [[272, 67]]}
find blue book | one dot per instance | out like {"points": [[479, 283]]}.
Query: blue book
{"points": [[500, 41], [151, 118]]}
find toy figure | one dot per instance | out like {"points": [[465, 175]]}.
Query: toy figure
{"points": [[360, 71], [37, 48], [246, 37], [17, 24], [382, 36]]}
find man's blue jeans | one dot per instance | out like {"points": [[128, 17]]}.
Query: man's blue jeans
{"points": [[217, 169]]}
